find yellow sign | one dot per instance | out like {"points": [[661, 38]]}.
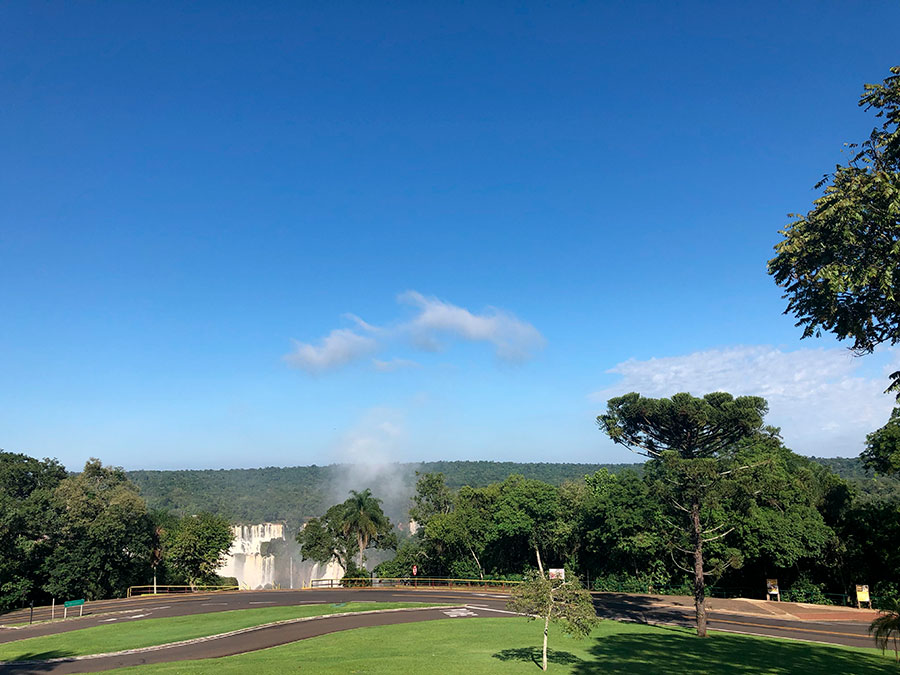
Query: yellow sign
{"points": [[862, 593], [772, 586]]}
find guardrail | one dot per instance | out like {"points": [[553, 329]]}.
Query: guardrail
{"points": [[134, 591], [413, 582]]}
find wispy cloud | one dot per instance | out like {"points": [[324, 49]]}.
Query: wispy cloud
{"points": [[339, 347], [817, 396], [435, 323], [513, 339]]}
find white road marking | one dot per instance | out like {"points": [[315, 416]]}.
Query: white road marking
{"points": [[491, 609], [459, 613], [137, 616], [262, 602], [163, 607], [210, 604], [108, 620]]}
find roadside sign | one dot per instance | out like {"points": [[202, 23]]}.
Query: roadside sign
{"points": [[415, 570], [73, 603], [558, 573], [862, 594], [772, 589]]}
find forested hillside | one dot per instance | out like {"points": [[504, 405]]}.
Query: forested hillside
{"points": [[293, 494]]}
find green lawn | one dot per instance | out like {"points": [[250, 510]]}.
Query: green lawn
{"points": [[147, 632], [508, 645]]}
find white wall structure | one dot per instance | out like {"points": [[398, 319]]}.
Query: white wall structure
{"points": [[265, 555]]}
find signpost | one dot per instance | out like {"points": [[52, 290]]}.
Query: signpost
{"points": [[415, 572], [862, 595], [559, 573], [74, 603], [772, 589]]}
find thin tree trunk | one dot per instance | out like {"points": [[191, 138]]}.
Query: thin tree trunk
{"points": [[546, 630], [477, 562], [540, 565], [699, 581], [359, 542]]}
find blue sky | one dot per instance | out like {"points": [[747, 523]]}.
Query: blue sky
{"points": [[295, 233]]}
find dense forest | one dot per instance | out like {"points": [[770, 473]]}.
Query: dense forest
{"points": [[295, 494], [89, 534]]}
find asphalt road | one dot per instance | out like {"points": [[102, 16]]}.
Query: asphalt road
{"points": [[617, 606], [637, 608]]}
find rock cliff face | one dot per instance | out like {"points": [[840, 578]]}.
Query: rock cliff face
{"points": [[265, 556]]}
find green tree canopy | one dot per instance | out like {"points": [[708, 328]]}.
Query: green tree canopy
{"points": [[838, 263], [27, 521], [196, 546], [105, 535], [346, 530], [882, 453], [564, 602], [689, 441]]}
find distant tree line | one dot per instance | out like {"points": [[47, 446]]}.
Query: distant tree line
{"points": [[90, 535], [295, 494]]}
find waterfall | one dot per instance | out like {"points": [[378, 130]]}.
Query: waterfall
{"points": [[265, 555]]}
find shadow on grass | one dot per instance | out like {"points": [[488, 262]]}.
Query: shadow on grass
{"points": [[533, 655], [9, 666], [674, 654]]}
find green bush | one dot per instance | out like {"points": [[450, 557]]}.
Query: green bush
{"points": [[805, 590], [356, 576]]}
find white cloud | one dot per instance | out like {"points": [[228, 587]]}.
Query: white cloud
{"points": [[817, 396], [339, 347], [394, 364], [513, 339]]}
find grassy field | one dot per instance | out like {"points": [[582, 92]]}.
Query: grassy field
{"points": [[148, 632], [510, 645]]}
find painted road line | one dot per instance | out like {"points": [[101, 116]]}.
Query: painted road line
{"points": [[210, 604], [491, 609], [261, 602], [459, 613], [136, 616], [790, 628]]}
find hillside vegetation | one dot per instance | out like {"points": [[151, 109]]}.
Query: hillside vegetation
{"points": [[294, 494]]}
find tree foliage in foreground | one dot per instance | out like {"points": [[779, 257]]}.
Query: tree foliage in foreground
{"points": [[564, 602], [690, 443], [886, 628], [104, 537], [838, 263]]}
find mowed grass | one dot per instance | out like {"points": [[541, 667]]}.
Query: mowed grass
{"points": [[511, 645], [149, 632]]}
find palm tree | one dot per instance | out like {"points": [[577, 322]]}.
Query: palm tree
{"points": [[363, 517], [886, 628]]}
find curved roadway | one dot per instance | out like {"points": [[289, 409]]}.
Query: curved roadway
{"points": [[478, 603]]}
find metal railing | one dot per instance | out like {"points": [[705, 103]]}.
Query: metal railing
{"points": [[413, 582], [134, 591]]}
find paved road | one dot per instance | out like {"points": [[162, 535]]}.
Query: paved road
{"points": [[609, 605], [248, 641], [134, 609], [648, 610]]}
